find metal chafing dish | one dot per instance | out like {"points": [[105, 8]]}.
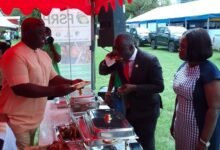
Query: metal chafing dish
{"points": [[81, 103], [100, 127], [108, 123], [70, 135]]}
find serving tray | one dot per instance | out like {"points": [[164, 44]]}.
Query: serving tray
{"points": [[95, 135], [109, 123]]}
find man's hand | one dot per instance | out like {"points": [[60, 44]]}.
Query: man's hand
{"points": [[110, 59], [62, 90], [108, 99], [114, 55], [76, 81], [126, 88], [111, 55]]}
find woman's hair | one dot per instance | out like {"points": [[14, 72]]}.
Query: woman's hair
{"points": [[199, 45]]}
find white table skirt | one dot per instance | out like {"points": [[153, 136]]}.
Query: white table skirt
{"points": [[8, 137], [53, 116]]}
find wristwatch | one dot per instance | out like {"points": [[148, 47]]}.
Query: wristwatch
{"points": [[206, 144]]}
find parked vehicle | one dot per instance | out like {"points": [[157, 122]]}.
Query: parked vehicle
{"points": [[168, 36], [141, 35]]}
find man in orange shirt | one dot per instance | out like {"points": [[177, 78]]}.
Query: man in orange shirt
{"points": [[28, 79]]}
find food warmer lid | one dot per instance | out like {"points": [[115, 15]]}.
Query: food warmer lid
{"points": [[109, 123]]}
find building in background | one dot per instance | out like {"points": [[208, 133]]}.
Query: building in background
{"points": [[195, 14], [183, 1]]}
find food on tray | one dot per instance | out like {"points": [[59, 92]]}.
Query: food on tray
{"points": [[58, 145], [80, 92], [69, 132], [107, 118], [109, 141], [83, 106], [61, 103], [81, 84]]}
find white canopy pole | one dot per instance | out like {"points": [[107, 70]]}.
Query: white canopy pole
{"points": [[92, 47]]}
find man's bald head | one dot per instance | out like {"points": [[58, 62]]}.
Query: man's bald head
{"points": [[124, 45], [125, 38], [31, 23], [33, 32]]}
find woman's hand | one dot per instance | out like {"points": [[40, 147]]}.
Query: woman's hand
{"points": [[201, 146], [172, 130]]}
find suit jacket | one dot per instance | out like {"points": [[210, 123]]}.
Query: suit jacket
{"points": [[147, 76]]}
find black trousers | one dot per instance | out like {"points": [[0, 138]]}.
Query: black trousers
{"points": [[144, 124], [1, 144]]}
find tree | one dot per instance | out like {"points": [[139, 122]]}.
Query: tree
{"points": [[138, 7], [16, 12]]}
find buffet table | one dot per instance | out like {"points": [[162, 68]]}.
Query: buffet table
{"points": [[55, 116]]}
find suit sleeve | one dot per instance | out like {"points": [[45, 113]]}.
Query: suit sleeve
{"points": [[104, 69], [156, 84]]}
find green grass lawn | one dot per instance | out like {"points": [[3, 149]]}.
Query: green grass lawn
{"points": [[169, 62]]}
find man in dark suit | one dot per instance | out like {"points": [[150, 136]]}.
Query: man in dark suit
{"points": [[141, 76]]}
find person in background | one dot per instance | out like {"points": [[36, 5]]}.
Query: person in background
{"points": [[28, 79], [52, 49], [3, 126], [196, 119], [113, 99], [142, 81], [7, 37], [3, 47]]}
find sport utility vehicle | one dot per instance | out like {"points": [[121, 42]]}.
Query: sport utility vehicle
{"points": [[167, 36], [141, 35]]}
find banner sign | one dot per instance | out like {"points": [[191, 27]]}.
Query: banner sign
{"points": [[72, 30]]}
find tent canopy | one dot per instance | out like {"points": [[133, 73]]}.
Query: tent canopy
{"points": [[5, 23], [89, 7], [200, 9], [45, 6]]}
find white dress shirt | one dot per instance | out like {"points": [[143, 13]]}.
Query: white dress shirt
{"points": [[131, 62]]}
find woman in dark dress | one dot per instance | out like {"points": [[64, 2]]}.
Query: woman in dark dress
{"points": [[196, 120]]}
